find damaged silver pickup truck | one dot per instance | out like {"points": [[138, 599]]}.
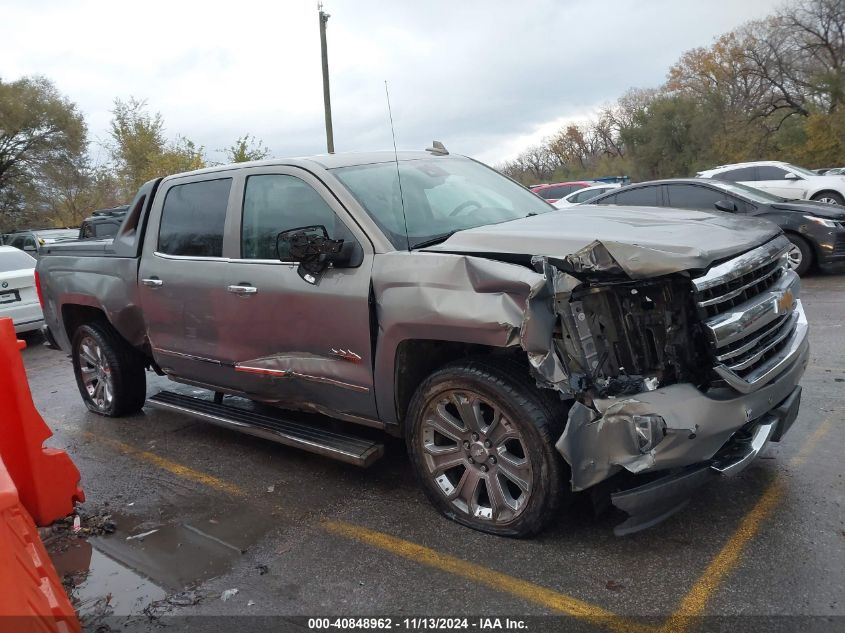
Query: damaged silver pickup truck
{"points": [[523, 352]]}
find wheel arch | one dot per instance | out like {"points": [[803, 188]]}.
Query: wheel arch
{"points": [[814, 249], [820, 193], [416, 359]]}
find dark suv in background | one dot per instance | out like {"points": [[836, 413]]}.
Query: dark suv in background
{"points": [[816, 230], [103, 223]]}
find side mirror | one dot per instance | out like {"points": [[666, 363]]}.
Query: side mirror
{"points": [[29, 248], [315, 251], [791, 176], [726, 205]]}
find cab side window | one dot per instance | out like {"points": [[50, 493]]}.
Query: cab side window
{"points": [[694, 197], [641, 196], [770, 172], [278, 202], [193, 217], [742, 174]]}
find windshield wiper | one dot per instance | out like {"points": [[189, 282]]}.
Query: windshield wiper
{"points": [[435, 240]]}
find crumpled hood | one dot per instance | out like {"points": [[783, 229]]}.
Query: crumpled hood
{"points": [[644, 241]]}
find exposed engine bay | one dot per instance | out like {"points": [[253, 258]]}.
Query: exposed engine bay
{"points": [[629, 337], [618, 337]]}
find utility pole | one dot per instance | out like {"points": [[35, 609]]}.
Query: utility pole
{"points": [[327, 101]]}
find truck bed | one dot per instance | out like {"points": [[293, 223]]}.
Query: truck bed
{"points": [[81, 248]]}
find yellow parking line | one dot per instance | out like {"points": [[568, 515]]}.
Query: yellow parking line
{"points": [[493, 579], [176, 468], [692, 605], [695, 601]]}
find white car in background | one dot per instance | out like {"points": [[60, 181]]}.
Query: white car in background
{"points": [[18, 296], [783, 179], [584, 195]]}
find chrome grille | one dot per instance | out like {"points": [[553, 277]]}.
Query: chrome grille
{"points": [[717, 299], [750, 309]]}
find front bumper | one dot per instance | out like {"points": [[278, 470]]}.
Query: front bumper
{"points": [[651, 503], [830, 250], [601, 441]]}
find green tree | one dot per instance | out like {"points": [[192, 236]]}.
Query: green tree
{"points": [[69, 190], [140, 149], [39, 127], [245, 149], [670, 138]]}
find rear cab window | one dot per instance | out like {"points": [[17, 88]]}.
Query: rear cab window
{"points": [[193, 219]]}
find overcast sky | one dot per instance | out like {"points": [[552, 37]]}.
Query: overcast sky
{"points": [[486, 78]]}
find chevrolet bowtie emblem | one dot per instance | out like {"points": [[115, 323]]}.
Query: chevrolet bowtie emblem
{"points": [[785, 302]]}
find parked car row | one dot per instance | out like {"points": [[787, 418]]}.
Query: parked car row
{"points": [[805, 205], [584, 195], [816, 230], [555, 191], [33, 241]]}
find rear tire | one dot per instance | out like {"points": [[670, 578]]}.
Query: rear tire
{"points": [[829, 197], [801, 255], [109, 372], [481, 437]]}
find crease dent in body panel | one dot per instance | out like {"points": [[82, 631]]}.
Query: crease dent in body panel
{"points": [[303, 365], [509, 305], [539, 322], [597, 445]]}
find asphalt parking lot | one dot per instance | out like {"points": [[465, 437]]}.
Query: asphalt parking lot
{"points": [[300, 535]]}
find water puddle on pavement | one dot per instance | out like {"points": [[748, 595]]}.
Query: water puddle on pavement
{"points": [[98, 583], [145, 561]]}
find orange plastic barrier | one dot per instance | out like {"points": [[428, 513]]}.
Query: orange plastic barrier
{"points": [[46, 479], [31, 595]]}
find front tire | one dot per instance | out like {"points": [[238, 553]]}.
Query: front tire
{"points": [[481, 437], [800, 256], [109, 372]]}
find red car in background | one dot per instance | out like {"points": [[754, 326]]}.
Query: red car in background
{"points": [[555, 191]]}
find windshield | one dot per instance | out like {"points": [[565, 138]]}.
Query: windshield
{"points": [[801, 171], [755, 195], [440, 196], [15, 260]]}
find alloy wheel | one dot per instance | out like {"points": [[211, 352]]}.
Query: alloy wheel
{"points": [[794, 258], [96, 373], [476, 456], [828, 200]]}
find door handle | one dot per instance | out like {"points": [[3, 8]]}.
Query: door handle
{"points": [[152, 282], [242, 290]]}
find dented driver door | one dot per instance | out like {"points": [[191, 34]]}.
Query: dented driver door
{"points": [[292, 342]]}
